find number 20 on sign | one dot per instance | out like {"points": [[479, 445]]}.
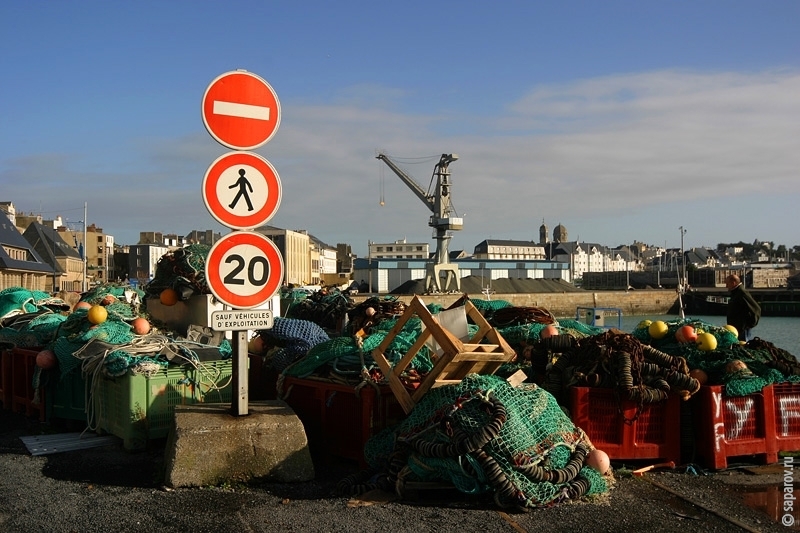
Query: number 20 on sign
{"points": [[244, 269]]}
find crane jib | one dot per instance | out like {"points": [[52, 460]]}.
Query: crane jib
{"points": [[443, 219]]}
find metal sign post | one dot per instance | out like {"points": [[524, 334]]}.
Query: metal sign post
{"points": [[242, 190]]}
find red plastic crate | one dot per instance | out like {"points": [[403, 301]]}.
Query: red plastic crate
{"points": [[23, 365], [734, 426], [5, 378], [786, 398], [261, 380], [337, 422], [612, 424]]}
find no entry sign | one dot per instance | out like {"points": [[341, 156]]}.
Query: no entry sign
{"points": [[244, 269], [241, 110], [242, 190]]}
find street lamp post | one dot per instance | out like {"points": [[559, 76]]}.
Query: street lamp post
{"points": [[682, 282]]}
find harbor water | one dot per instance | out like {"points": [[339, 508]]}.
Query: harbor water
{"points": [[783, 332]]}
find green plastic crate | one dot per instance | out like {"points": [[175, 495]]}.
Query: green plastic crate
{"points": [[66, 398], [136, 408]]}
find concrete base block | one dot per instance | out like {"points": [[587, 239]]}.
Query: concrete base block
{"points": [[209, 446]]}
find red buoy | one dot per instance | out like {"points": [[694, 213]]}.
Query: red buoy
{"points": [[46, 359]]}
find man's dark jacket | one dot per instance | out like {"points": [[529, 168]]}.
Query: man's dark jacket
{"points": [[743, 311]]}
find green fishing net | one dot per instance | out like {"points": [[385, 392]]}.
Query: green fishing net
{"points": [[125, 300], [37, 325], [535, 432], [488, 307], [30, 319], [16, 300], [349, 355], [77, 331], [765, 363], [182, 269], [326, 310], [32, 330]]}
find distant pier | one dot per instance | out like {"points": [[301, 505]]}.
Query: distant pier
{"points": [[564, 305], [714, 301]]}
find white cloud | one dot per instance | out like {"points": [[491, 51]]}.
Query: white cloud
{"points": [[616, 158]]}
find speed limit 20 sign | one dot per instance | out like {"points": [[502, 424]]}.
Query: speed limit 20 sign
{"points": [[244, 269]]}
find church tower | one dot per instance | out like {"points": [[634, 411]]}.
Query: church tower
{"points": [[560, 234]]}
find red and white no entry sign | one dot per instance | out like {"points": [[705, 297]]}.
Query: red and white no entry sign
{"points": [[244, 269], [242, 190], [241, 110]]}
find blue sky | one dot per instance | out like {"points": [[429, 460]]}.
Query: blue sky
{"points": [[623, 121]]}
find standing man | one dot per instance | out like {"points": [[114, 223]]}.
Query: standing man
{"points": [[743, 310]]}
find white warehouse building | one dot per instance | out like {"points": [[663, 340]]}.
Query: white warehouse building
{"points": [[385, 275]]}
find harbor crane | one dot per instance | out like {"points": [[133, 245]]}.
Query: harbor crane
{"points": [[442, 220]]}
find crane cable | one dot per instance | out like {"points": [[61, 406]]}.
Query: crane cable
{"points": [[381, 171], [408, 160]]}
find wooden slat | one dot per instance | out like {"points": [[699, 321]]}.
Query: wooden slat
{"points": [[481, 356], [441, 382], [481, 347], [411, 353], [457, 359]]}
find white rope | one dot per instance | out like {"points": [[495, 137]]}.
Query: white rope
{"points": [[93, 369]]}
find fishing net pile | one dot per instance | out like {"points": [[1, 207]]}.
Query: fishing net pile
{"points": [[183, 270], [325, 308], [482, 435], [29, 318], [485, 436], [742, 368], [292, 338], [111, 347], [349, 356], [612, 360]]}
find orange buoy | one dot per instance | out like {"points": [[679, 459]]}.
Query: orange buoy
{"points": [[46, 359], [598, 459], [548, 331], [256, 345], [686, 333], [141, 326], [169, 297], [735, 366], [82, 305], [700, 375]]}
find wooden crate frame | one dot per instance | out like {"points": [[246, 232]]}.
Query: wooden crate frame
{"points": [[457, 360]]}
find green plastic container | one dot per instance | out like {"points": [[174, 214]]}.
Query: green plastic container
{"points": [[137, 408], [67, 399]]}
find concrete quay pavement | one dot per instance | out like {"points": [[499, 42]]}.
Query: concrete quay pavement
{"points": [[108, 488]]}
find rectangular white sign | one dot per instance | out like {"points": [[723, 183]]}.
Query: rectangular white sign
{"points": [[239, 320]]}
